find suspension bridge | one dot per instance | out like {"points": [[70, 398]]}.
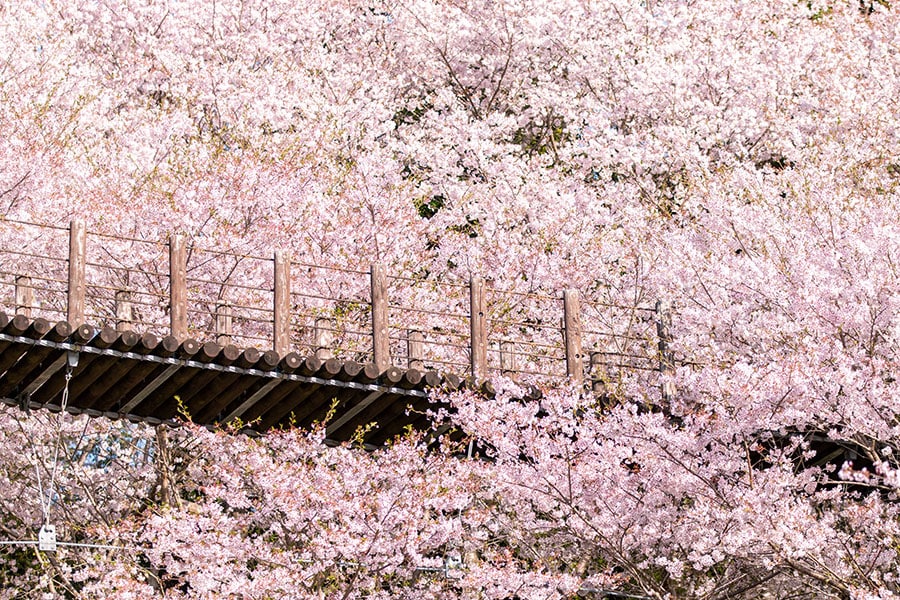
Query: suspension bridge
{"points": [[161, 330]]}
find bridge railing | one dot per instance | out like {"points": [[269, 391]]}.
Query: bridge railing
{"points": [[34, 269], [331, 311], [429, 326], [179, 288], [229, 297], [126, 282]]}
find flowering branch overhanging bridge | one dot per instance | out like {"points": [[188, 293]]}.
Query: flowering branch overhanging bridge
{"points": [[156, 330]]}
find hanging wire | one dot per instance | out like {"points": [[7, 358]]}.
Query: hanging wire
{"points": [[67, 545], [45, 507], [45, 499]]}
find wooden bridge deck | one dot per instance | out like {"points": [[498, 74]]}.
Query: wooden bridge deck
{"points": [[155, 331], [123, 375]]}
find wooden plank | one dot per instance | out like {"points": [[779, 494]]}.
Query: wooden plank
{"points": [[381, 344], [393, 418], [317, 404], [380, 409], [99, 371], [173, 387], [297, 403], [331, 368], [267, 362], [304, 366], [392, 377], [412, 379], [199, 383], [29, 366], [222, 383], [572, 334], [211, 353], [8, 327], [255, 413], [281, 335], [178, 324], [77, 285], [350, 370], [61, 332], [24, 296], [415, 350], [478, 329], [18, 325]]}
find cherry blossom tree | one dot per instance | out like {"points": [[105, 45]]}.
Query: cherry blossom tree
{"points": [[739, 160]]}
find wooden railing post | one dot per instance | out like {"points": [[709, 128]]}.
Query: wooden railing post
{"points": [[24, 296], [415, 350], [281, 337], [224, 323], [599, 375], [666, 360], [124, 311], [381, 345], [572, 333], [178, 287], [323, 338], [509, 363], [77, 249], [478, 335]]}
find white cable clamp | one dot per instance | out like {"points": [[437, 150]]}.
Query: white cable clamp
{"points": [[47, 538]]}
